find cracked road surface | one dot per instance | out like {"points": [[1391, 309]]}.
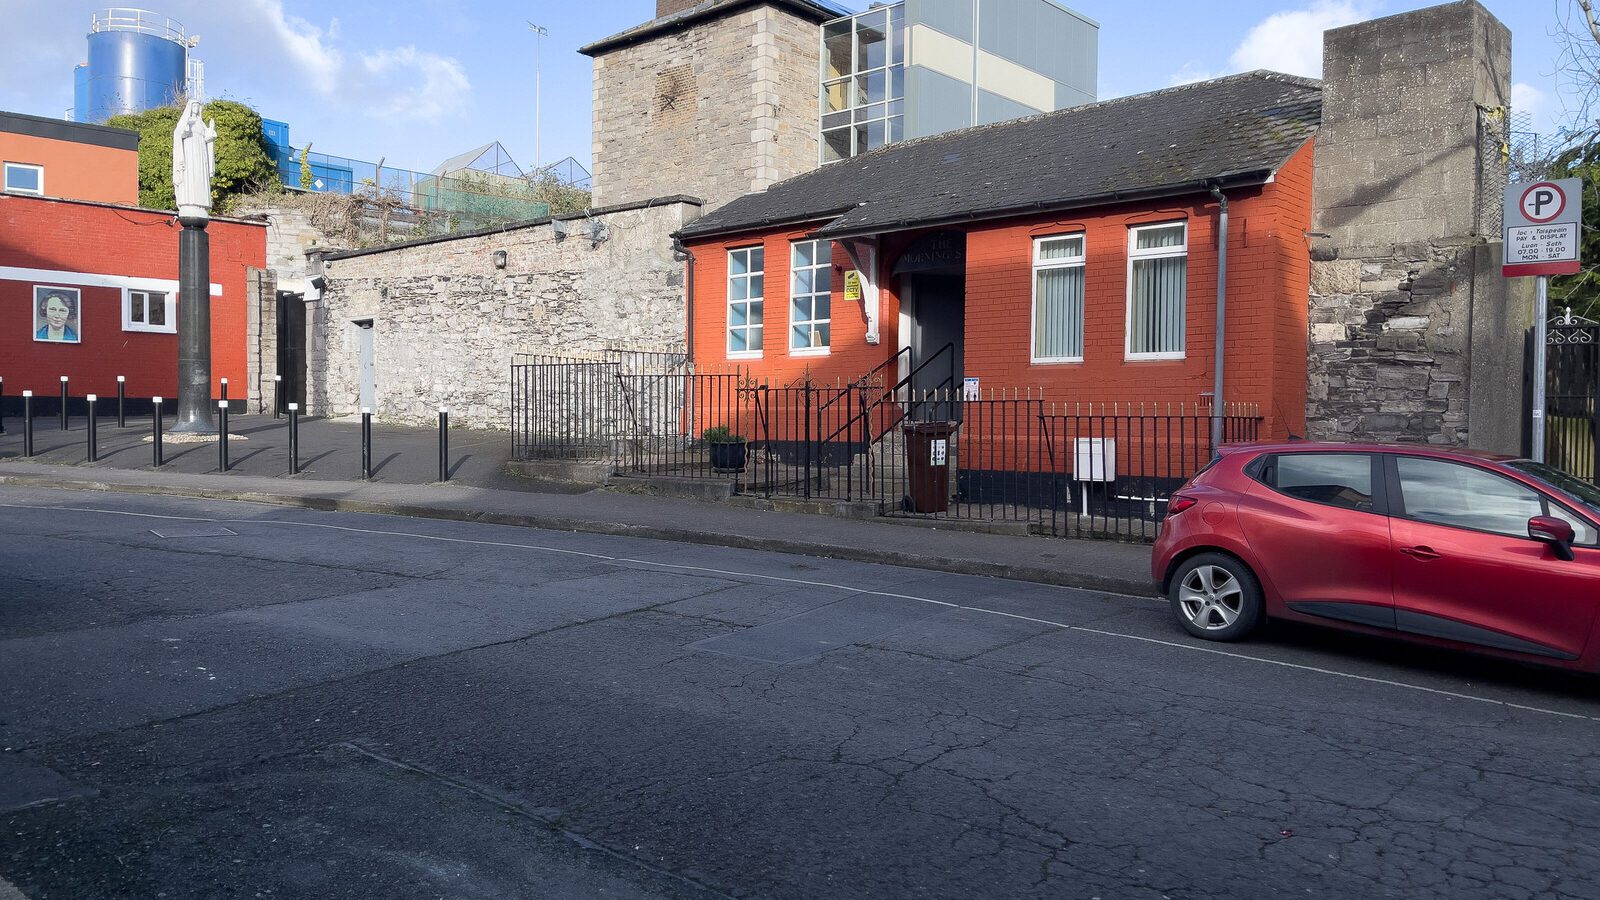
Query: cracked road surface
{"points": [[262, 702]]}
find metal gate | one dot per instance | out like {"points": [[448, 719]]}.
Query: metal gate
{"points": [[1572, 385]]}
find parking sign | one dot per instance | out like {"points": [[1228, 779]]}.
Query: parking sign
{"points": [[1542, 227]]}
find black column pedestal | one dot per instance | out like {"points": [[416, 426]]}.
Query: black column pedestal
{"points": [[194, 414]]}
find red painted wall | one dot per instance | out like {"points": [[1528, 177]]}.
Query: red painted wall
{"points": [[1268, 296], [84, 237]]}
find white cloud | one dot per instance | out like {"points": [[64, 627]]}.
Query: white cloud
{"points": [[1291, 41], [419, 85], [393, 83], [306, 44], [1190, 73], [1525, 98]]}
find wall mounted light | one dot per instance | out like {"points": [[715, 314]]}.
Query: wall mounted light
{"points": [[499, 259]]}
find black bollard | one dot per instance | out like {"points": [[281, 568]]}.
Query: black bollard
{"points": [[294, 439], [122, 400], [224, 389], [222, 430], [64, 425], [366, 444], [155, 429], [27, 423], [444, 444], [94, 447], [277, 396]]}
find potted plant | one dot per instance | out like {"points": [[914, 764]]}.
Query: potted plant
{"points": [[727, 449]]}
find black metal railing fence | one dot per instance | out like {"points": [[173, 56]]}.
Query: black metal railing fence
{"points": [[1014, 456]]}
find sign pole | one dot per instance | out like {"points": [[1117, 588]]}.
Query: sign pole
{"points": [[1541, 324], [1543, 224]]}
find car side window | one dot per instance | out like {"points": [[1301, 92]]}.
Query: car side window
{"points": [[1582, 532], [1462, 496], [1334, 479]]}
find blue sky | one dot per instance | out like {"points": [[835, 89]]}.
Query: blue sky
{"points": [[417, 81]]}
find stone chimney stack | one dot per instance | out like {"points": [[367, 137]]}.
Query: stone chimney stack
{"points": [[666, 8], [1414, 334]]}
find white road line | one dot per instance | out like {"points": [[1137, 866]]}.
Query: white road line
{"points": [[850, 589]]}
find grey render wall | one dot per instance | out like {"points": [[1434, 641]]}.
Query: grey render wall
{"points": [[715, 110], [1037, 56], [446, 321], [1414, 335]]}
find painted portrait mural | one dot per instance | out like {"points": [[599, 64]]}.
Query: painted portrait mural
{"points": [[56, 315]]}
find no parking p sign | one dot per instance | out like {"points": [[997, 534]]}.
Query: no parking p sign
{"points": [[1542, 227]]}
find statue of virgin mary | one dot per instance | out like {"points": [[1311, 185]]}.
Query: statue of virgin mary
{"points": [[194, 161]]}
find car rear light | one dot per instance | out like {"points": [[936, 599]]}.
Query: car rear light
{"points": [[1180, 502]]}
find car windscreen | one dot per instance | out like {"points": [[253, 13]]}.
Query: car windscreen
{"points": [[1586, 494]]}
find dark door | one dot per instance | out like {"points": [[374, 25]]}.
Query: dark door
{"points": [[1466, 570], [1316, 522], [938, 319], [292, 349]]}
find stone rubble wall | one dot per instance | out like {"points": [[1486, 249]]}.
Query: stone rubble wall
{"points": [[1389, 345], [717, 110], [447, 322]]}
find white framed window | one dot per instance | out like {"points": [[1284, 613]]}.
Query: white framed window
{"points": [[746, 290], [810, 293], [1158, 274], [1058, 298], [22, 178], [148, 311]]}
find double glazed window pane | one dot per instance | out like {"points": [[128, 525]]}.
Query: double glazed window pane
{"points": [[1157, 289], [746, 288], [838, 46], [1465, 497], [811, 280], [147, 308], [1158, 237], [1337, 479], [1058, 313], [23, 179]]}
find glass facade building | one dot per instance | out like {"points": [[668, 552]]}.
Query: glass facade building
{"points": [[922, 67], [863, 82]]}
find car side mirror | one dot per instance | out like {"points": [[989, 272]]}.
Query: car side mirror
{"points": [[1553, 531]]}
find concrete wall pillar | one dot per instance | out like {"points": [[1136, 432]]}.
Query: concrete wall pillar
{"points": [[1414, 335]]}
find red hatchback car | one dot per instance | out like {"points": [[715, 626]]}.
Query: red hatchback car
{"points": [[1445, 547]]}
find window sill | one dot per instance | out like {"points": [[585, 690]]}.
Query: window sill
{"points": [[745, 354], [810, 351], [1154, 357], [147, 329], [1056, 361]]}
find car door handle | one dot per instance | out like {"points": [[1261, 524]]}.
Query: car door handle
{"points": [[1419, 552]]}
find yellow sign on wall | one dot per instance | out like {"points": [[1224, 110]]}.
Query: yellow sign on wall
{"points": [[852, 285]]}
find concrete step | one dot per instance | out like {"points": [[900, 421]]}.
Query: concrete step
{"points": [[713, 489]]}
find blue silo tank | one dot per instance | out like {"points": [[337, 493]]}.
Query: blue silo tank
{"points": [[137, 60]]}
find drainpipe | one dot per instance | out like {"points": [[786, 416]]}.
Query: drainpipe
{"points": [[1217, 409], [688, 298]]}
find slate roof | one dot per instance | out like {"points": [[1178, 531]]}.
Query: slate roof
{"points": [[1234, 130]]}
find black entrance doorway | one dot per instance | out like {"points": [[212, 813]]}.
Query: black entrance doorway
{"points": [[291, 349], [933, 293]]}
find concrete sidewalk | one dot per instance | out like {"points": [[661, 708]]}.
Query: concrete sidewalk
{"points": [[1098, 565]]}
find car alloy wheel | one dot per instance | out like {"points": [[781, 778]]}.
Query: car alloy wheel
{"points": [[1211, 597], [1215, 596]]}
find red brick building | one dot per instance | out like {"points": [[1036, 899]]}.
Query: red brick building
{"points": [[1073, 253], [89, 289]]}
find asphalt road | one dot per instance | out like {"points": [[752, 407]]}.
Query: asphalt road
{"points": [[209, 699]]}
